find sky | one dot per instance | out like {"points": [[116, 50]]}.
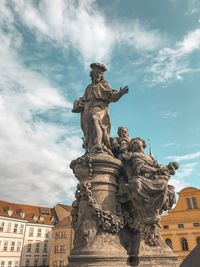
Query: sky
{"points": [[46, 47]]}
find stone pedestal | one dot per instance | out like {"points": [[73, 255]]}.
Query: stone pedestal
{"points": [[96, 241], [156, 256]]}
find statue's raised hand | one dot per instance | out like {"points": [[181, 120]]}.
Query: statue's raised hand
{"points": [[123, 90]]}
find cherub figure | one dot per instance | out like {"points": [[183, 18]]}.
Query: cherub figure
{"points": [[120, 144]]}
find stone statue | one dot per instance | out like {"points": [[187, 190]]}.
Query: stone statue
{"points": [[146, 189], [120, 144], [93, 106], [121, 191]]}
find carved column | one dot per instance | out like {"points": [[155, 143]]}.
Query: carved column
{"points": [[97, 219]]}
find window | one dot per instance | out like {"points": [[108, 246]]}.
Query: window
{"points": [[31, 231], [9, 263], [196, 224], [21, 229], [184, 244], [29, 248], [194, 202], [2, 263], [46, 233], [5, 247], [1, 226], [8, 227], [39, 232], [55, 249], [19, 245], [16, 264], [63, 235], [27, 262], [15, 227], [37, 248], [12, 247], [198, 240], [180, 225], [165, 226], [188, 203], [168, 242], [45, 247], [36, 262], [44, 262]]}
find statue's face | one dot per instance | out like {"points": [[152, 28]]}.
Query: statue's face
{"points": [[123, 132], [97, 76]]}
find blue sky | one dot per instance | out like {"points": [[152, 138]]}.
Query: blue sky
{"points": [[46, 47]]}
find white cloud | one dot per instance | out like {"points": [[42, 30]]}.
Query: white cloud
{"points": [[139, 37], [168, 115], [172, 63], [179, 180], [33, 161], [185, 157], [169, 144], [81, 25], [193, 7]]}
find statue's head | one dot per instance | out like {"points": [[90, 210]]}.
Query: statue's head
{"points": [[137, 145], [122, 132], [97, 71]]}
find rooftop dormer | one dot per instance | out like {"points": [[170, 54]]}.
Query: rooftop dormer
{"points": [[9, 211], [21, 213]]}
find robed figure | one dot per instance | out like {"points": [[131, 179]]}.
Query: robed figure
{"points": [[93, 106]]}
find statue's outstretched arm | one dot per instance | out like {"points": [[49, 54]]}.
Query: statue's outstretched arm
{"points": [[116, 95]]}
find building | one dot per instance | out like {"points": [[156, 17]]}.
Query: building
{"points": [[181, 226], [12, 228], [25, 234], [37, 237], [62, 237]]}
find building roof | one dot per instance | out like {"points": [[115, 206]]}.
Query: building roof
{"points": [[65, 222], [32, 214], [188, 190], [193, 258], [66, 207]]}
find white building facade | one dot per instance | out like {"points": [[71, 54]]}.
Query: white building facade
{"points": [[11, 240], [36, 245], [25, 234]]}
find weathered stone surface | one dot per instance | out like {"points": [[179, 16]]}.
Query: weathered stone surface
{"points": [[121, 191], [97, 219]]}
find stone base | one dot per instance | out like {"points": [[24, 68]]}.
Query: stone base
{"points": [[158, 256], [95, 260]]}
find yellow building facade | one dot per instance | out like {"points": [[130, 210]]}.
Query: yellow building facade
{"points": [[181, 226], [62, 237]]}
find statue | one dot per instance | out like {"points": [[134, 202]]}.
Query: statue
{"points": [[121, 191], [146, 189], [93, 106], [120, 144]]}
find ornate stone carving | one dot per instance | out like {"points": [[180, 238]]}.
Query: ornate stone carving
{"points": [[146, 190], [121, 191]]}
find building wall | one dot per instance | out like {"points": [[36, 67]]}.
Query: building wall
{"points": [[182, 224], [36, 245], [25, 234], [61, 245], [11, 241]]}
